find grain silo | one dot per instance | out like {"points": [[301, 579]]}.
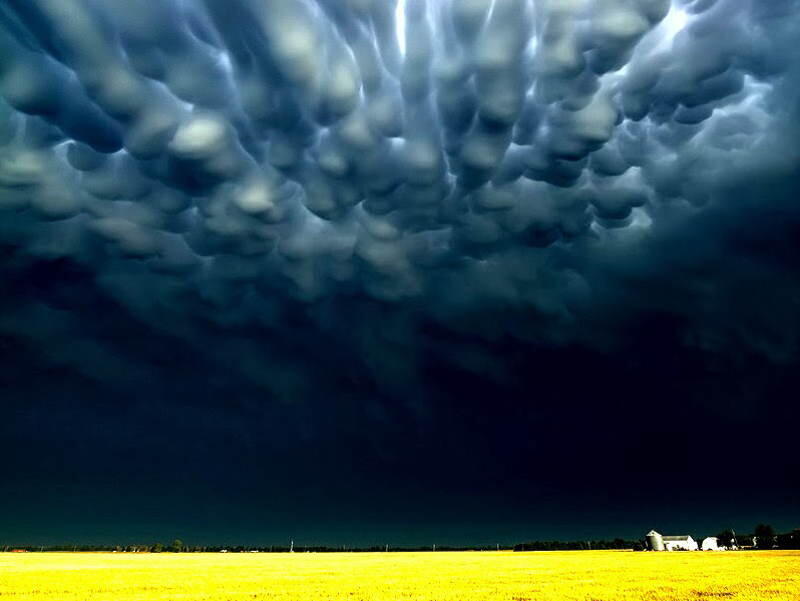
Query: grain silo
{"points": [[654, 541]]}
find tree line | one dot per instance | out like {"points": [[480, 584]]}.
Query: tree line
{"points": [[580, 545], [762, 537], [178, 546]]}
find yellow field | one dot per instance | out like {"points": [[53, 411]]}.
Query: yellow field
{"points": [[581, 575]]}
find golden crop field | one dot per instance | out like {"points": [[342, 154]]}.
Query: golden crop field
{"points": [[465, 576]]}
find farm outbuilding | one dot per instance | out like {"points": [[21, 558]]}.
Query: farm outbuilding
{"points": [[711, 543], [659, 542], [682, 542], [654, 541]]}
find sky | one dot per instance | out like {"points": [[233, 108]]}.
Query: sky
{"points": [[358, 272]]}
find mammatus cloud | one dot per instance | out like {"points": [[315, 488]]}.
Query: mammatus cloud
{"points": [[295, 190]]}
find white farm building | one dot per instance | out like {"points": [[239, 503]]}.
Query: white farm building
{"points": [[659, 542], [682, 542], [710, 543]]}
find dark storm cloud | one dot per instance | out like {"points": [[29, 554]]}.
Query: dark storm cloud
{"points": [[475, 262], [302, 200]]}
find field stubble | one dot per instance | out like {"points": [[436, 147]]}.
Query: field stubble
{"points": [[465, 576]]}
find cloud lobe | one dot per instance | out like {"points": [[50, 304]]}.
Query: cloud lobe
{"points": [[287, 184]]}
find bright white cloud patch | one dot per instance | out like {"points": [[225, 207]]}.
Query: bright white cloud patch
{"points": [[675, 21], [400, 24], [452, 154]]}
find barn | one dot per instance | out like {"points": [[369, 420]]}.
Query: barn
{"points": [[681, 542], [659, 542]]}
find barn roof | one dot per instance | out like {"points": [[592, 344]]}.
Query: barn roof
{"points": [[677, 538]]}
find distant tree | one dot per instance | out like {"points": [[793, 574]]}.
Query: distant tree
{"points": [[765, 536], [157, 548], [788, 540], [176, 546], [726, 538]]}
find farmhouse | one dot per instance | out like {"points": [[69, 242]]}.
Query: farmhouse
{"points": [[659, 542]]}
